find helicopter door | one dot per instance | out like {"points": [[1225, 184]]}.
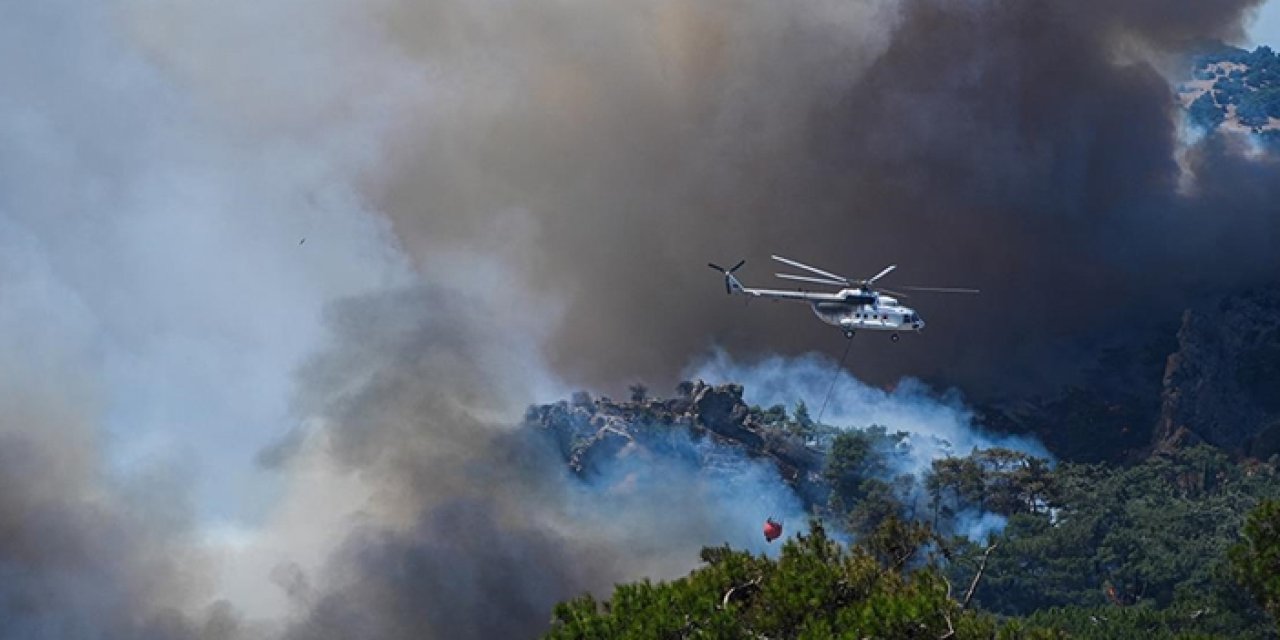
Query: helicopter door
{"points": [[832, 312]]}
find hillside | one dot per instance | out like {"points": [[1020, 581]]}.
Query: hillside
{"points": [[1096, 544], [1145, 544], [1235, 90]]}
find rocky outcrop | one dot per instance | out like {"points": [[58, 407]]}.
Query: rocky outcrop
{"points": [[1222, 385], [589, 433], [721, 411]]}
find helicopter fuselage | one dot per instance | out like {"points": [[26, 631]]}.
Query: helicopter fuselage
{"points": [[870, 311], [858, 304]]}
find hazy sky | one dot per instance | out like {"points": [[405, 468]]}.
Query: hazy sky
{"points": [[1266, 30]]}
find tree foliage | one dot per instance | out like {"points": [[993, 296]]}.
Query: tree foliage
{"points": [[1205, 112], [1255, 561], [1153, 536], [1151, 549], [864, 470], [816, 588], [1254, 90]]}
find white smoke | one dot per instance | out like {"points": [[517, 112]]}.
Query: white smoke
{"points": [[692, 494], [168, 217], [939, 424], [181, 196]]}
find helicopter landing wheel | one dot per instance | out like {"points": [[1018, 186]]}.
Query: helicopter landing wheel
{"points": [[848, 334], [894, 337]]}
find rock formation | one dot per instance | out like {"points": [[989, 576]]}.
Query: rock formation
{"points": [[1222, 385], [590, 432]]}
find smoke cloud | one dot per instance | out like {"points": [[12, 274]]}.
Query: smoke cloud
{"points": [[1025, 149], [939, 424], [472, 515], [278, 280], [155, 292]]}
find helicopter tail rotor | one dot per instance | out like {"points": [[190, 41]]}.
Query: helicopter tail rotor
{"points": [[731, 283]]}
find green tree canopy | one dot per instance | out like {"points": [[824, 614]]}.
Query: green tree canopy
{"points": [[1255, 561], [816, 588]]}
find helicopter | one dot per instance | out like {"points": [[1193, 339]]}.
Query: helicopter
{"points": [[858, 304]]}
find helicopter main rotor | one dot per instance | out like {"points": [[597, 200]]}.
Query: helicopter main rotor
{"points": [[869, 284]]}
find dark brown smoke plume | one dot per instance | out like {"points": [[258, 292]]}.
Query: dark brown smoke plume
{"points": [[1025, 148]]}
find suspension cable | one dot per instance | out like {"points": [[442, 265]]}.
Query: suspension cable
{"points": [[835, 375]]}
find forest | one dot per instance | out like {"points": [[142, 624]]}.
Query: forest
{"points": [[994, 543], [1247, 80]]}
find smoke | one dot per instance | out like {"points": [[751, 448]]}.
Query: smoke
{"points": [[155, 292], [194, 265], [1026, 149], [84, 552], [472, 514], [938, 424]]}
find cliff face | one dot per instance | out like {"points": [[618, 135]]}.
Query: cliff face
{"points": [[1218, 382], [1106, 415], [1222, 385]]}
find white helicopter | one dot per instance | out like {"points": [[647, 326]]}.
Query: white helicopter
{"points": [[857, 305]]}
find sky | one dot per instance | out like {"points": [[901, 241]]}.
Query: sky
{"points": [[1266, 28]]}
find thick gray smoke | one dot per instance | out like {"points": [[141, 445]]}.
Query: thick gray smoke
{"points": [[155, 294], [1028, 149], [185, 188], [473, 516], [75, 559]]}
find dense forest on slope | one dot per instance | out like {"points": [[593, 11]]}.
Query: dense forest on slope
{"points": [[1235, 86]]}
